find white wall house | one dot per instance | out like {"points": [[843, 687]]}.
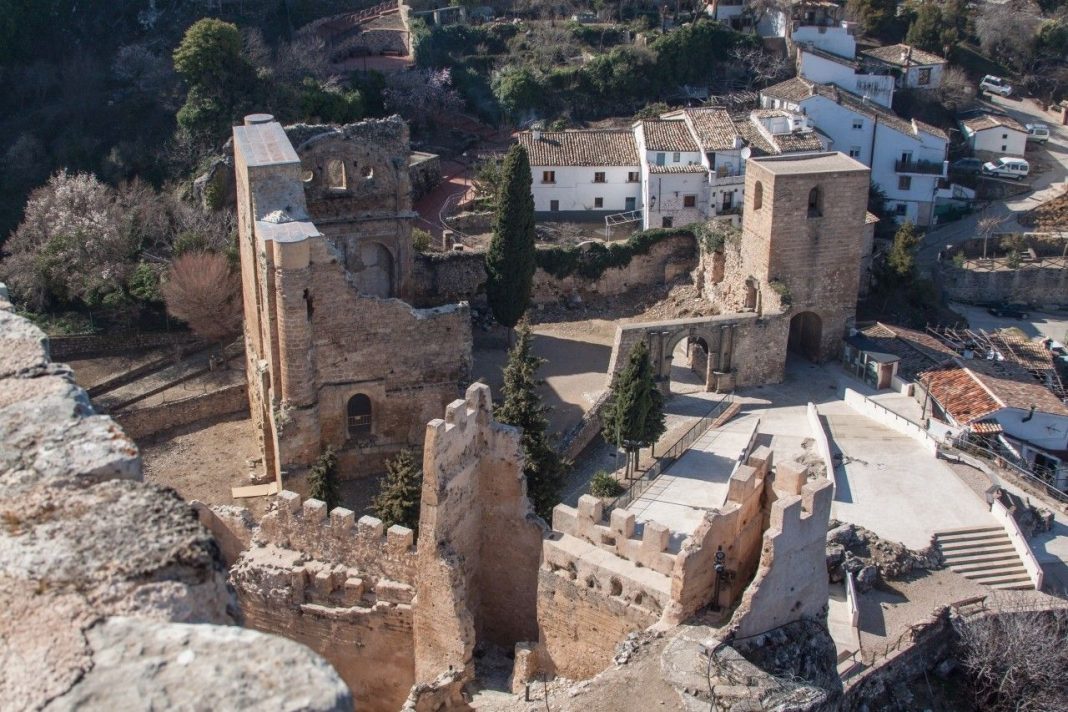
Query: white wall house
{"points": [[686, 166], [907, 158], [837, 39], [1006, 403], [993, 135], [825, 68], [914, 68], [583, 174]]}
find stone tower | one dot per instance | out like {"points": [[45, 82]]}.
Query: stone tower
{"points": [[802, 241], [333, 357]]}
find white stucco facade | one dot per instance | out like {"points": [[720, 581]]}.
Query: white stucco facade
{"points": [[996, 140], [576, 188], [876, 87], [836, 40]]}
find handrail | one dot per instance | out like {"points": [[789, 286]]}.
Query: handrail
{"points": [[1000, 462], [673, 453], [1019, 543]]}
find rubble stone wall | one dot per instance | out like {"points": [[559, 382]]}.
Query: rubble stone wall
{"points": [[142, 422], [1029, 283], [461, 275]]}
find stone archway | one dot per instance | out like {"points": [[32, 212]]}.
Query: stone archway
{"points": [[717, 344], [806, 336]]}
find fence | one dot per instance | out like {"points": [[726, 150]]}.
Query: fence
{"points": [[981, 457], [640, 485]]}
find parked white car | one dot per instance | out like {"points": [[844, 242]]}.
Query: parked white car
{"points": [[1037, 133], [995, 85], [1007, 167]]}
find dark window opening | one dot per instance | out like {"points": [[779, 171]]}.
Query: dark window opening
{"points": [[359, 415], [815, 203]]}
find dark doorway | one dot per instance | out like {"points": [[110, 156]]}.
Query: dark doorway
{"points": [[806, 335], [359, 416]]}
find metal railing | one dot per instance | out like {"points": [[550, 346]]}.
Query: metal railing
{"points": [[934, 168], [1001, 463], [640, 485]]}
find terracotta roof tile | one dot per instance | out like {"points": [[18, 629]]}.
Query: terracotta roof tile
{"points": [[992, 121], [895, 55], [668, 136], [714, 129], [595, 147], [959, 394], [1014, 386], [678, 168]]}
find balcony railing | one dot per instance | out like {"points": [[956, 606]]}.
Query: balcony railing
{"points": [[928, 168]]}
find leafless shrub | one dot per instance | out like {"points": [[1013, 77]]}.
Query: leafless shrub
{"points": [[1017, 659], [202, 290]]}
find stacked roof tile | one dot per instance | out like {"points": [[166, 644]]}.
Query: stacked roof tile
{"points": [[594, 147]]}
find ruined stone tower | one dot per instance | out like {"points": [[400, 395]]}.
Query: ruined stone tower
{"points": [[802, 239], [333, 357]]}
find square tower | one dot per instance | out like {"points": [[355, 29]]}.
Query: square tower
{"points": [[803, 233]]}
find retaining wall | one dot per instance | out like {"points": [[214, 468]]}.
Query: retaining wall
{"points": [[1029, 283], [86, 345], [142, 422]]}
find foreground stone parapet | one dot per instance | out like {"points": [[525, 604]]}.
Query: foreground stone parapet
{"points": [[84, 542], [138, 664]]}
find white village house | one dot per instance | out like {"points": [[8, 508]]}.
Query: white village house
{"points": [[912, 67], [907, 158], [686, 166], [994, 135]]}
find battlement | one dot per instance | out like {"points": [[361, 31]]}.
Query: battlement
{"points": [[338, 538], [808, 500], [466, 414], [645, 543]]}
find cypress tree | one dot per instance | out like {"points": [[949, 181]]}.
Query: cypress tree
{"points": [[634, 415], [400, 495], [322, 480], [510, 259], [522, 408]]}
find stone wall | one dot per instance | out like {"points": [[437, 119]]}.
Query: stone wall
{"points": [[142, 422], [1028, 283], [342, 587], [87, 345], [480, 541], [462, 275], [100, 574], [745, 349], [791, 582], [424, 173], [737, 528]]}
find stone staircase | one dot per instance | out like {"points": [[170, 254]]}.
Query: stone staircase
{"points": [[985, 555]]}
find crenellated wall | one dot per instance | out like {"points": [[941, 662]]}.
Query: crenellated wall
{"points": [[480, 541], [342, 587]]}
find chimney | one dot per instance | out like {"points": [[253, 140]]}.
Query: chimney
{"points": [[536, 133]]}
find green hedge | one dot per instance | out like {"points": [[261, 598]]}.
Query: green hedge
{"points": [[591, 261]]}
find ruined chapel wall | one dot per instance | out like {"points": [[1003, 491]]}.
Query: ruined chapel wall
{"points": [[738, 527], [791, 582]]}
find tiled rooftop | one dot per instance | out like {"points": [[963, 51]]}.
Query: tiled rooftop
{"points": [[668, 136], [896, 54], [992, 121], [981, 387], [959, 393], [810, 163], [714, 128], [798, 89], [678, 168], [594, 147]]}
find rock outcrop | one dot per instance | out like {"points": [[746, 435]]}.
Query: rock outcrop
{"points": [[100, 573]]}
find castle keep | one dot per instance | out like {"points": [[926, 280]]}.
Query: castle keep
{"points": [[334, 357]]}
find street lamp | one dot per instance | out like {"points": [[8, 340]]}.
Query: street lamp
{"points": [[722, 575]]}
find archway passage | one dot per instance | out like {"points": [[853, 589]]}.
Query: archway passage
{"points": [[806, 336], [689, 366]]}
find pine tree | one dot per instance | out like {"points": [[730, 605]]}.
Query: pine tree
{"points": [[901, 259], [400, 494], [322, 480], [522, 408], [634, 415], [925, 32], [510, 260]]}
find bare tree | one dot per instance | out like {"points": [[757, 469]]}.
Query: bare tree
{"points": [[1017, 658], [1008, 31], [202, 290], [761, 68], [419, 95], [986, 226]]}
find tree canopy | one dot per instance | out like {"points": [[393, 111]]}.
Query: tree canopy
{"points": [[522, 408], [634, 415], [400, 493], [510, 259]]}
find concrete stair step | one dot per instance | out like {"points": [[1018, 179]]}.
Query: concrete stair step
{"points": [[984, 545], [1014, 586], [964, 555], [981, 556], [997, 565], [969, 536], [993, 578], [967, 530]]}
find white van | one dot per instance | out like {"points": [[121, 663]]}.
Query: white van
{"points": [[1008, 167], [1037, 133]]}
